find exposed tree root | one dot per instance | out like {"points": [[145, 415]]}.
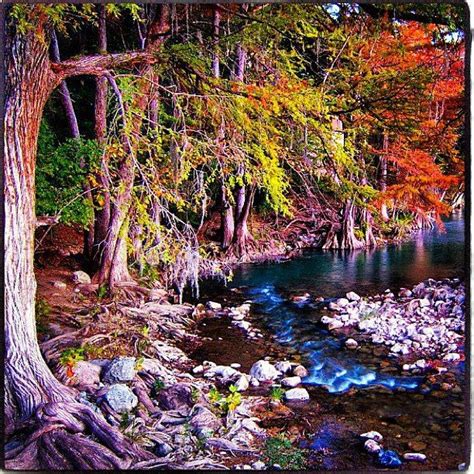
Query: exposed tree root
{"points": [[71, 436]]}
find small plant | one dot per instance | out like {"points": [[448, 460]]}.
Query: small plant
{"points": [[195, 394], [225, 404], [70, 357], [139, 364], [279, 450], [102, 291], [145, 331], [214, 396], [276, 394], [42, 311], [157, 386]]}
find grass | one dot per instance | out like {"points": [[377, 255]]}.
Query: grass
{"points": [[279, 450]]}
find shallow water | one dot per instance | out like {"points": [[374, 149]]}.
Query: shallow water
{"points": [[429, 254]]}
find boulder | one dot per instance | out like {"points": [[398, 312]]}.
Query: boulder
{"points": [[300, 371], [121, 369], [296, 394], [175, 397], [81, 277], [120, 398], [291, 381], [263, 371]]}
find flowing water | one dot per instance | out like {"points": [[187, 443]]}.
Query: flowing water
{"points": [[351, 391]]}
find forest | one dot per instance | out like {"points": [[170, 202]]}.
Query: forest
{"points": [[162, 159]]}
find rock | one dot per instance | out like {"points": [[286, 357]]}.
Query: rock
{"points": [[372, 446], [81, 277], [424, 303], [199, 369], [375, 435], [245, 325], [414, 457], [258, 465], [404, 293], [388, 458], [224, 371], [203, 422], [162, 449], [221, 443], [300, 371], [235, 365], [254, 382], [263, 371], [60, 285], [421, 364], [121, 369], [213, 306], [175, 397], [326, 319], [291, 381], [335, 324], [342, 302], [332, 306], [244, 308], [297, 394], [452, 357], [284, 367], [242, 383], [300, 298], [351, 344], [351, 296], [85, 374], [120, 398]]}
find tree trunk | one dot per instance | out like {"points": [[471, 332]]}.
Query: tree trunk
{"points": [[383, 177], [102, 213], [29, 83], [348, 238], [243, 237], [228, 226], [216, 31]]}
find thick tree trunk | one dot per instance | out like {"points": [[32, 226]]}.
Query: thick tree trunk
{"points": [[243, 237], [228, 226], [348, 238], [28, 380], [383, 177]]}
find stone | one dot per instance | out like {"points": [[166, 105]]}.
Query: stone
{"points": [[263, 371], [451, 357], [199, 369], [342, 302], [291, 381], [224, 371], [258, 465], [388, 458], [175, 397], [351, 344], [326, 319], [372, 446], [419, 457], [333, 306], [213, 306], [300, 371], [120, 398], [162, 449], [121, 369], [375, 435], [81, 277], [296, 394], [235, 365], [352, 296], [335, 324], [203, 421], [242, 383], [85, 374], [60, 285], [284, 367], [421, 364], [254, 382]]}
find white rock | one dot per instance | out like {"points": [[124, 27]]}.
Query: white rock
{"points": [[300, 371], [420, 364], [244, 308], [352, 296], [375, 435], [291, 381], [238, 317], [424, 303], [121, 369], [213, 305], [342, 302], [258, 465], [372, 446], [326, 319], [254, 382], [420, 457], [81, 277], [263, 371], [60, 285], [224, 371], [235, 365], [335, 324], [297, 394], [351, 344], [121, 399], [199, 369], [242, 383], [333, 306], [284, 367], [451, 357]]}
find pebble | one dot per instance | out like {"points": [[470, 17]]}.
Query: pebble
{"points": [[300, 371], [372, 446], [291, 381], [297, 394], [375, 435], [351, 343], [414, 457], [258, 465]]}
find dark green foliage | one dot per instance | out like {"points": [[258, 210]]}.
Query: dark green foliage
{"points": [[279, 450], [61, 173]]}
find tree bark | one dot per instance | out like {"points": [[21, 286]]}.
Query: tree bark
{"points": [[228, 226], [29, 83], [216, 32], [243, 237], [348, 238], [383, 177]]}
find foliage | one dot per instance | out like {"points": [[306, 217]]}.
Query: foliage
{"points": [[42, 311], [277, 394], [157, 386], [279, 450], [228, 403]]}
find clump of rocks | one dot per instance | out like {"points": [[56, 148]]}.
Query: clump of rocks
{"points": [[425, 322]]}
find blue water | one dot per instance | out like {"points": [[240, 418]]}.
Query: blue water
{"points": [[437, 254]]}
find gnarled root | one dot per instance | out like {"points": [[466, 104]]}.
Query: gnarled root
{"points": [[71, 436]]}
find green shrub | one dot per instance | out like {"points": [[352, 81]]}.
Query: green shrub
{"points": [[279, 450], [277, 393]]}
